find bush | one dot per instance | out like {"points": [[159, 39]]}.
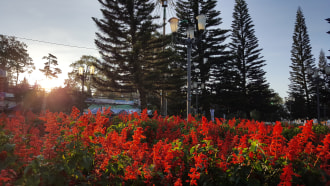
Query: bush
{"points": [[137, 150]]}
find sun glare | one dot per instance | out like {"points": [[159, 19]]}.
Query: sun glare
{"points": [[49, 84]]}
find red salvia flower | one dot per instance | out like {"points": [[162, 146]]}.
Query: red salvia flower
{"points": [[324, 154], [277, 141], [286, 176], [194, 175], [178, 182]]}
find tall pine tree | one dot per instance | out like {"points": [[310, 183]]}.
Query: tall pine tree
{"points": [[208, 55], [328, 32], [246, 66], [50, 70], [324, 84], [301, 83], [124, 37]]}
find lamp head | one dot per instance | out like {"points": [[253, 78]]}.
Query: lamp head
{"points": [[201, 21], [164, 3], [174, 22], [81, 70], [92, 70]]}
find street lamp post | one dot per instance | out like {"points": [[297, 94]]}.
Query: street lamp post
{"points": [[315, 73], [189, 41], [196, 87], [163, 101], [164, 5], [83, 74]]}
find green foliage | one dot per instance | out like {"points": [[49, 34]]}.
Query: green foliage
{"points": [[137, 150], [321, 129], [290, 132], [293, 129], [7, 157], [245, 84], [86, 78], [150, 130], [14, 58], [32, 99], [63, 99], [116, 124], [50, 70], [255, 169], [41, 171], [209, 55], [301, 86], [130, 50]]}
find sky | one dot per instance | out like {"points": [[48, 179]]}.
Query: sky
{"points": [[38, 23]]}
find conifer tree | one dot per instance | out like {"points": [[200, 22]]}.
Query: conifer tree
{"points": [[50, 70], [324, 84], [208, 55], [301, 83], [322, 65], [167, 79], [246, 66], [328, 32], [124, 41]]}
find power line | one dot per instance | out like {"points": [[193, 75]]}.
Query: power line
{"points": [[52, 43]]}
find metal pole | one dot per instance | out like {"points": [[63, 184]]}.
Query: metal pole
{"points": [[166, 104], [161, 103], [189, 46], [164, 20], [83, 82], [162, 97], [197, 101], [318, 100]]}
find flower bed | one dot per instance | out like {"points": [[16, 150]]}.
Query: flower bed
{"points": [[60, 149]]}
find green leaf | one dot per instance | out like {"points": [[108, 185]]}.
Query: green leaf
{"points": [[26, 170], [192, 149], [9, 147], [258, 166], [86, 163]]}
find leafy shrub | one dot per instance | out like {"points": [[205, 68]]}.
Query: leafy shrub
{"points": [[134, 149]]}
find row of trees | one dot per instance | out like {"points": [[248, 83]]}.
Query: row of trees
{"points": [[15, 60], [135, 57], [308, 80]]}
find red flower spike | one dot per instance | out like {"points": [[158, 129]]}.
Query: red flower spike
{"points": [[75, 112], [287, 174], [178, 182]]}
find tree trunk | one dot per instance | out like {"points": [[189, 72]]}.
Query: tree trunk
{"points": [[143, 99]]}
